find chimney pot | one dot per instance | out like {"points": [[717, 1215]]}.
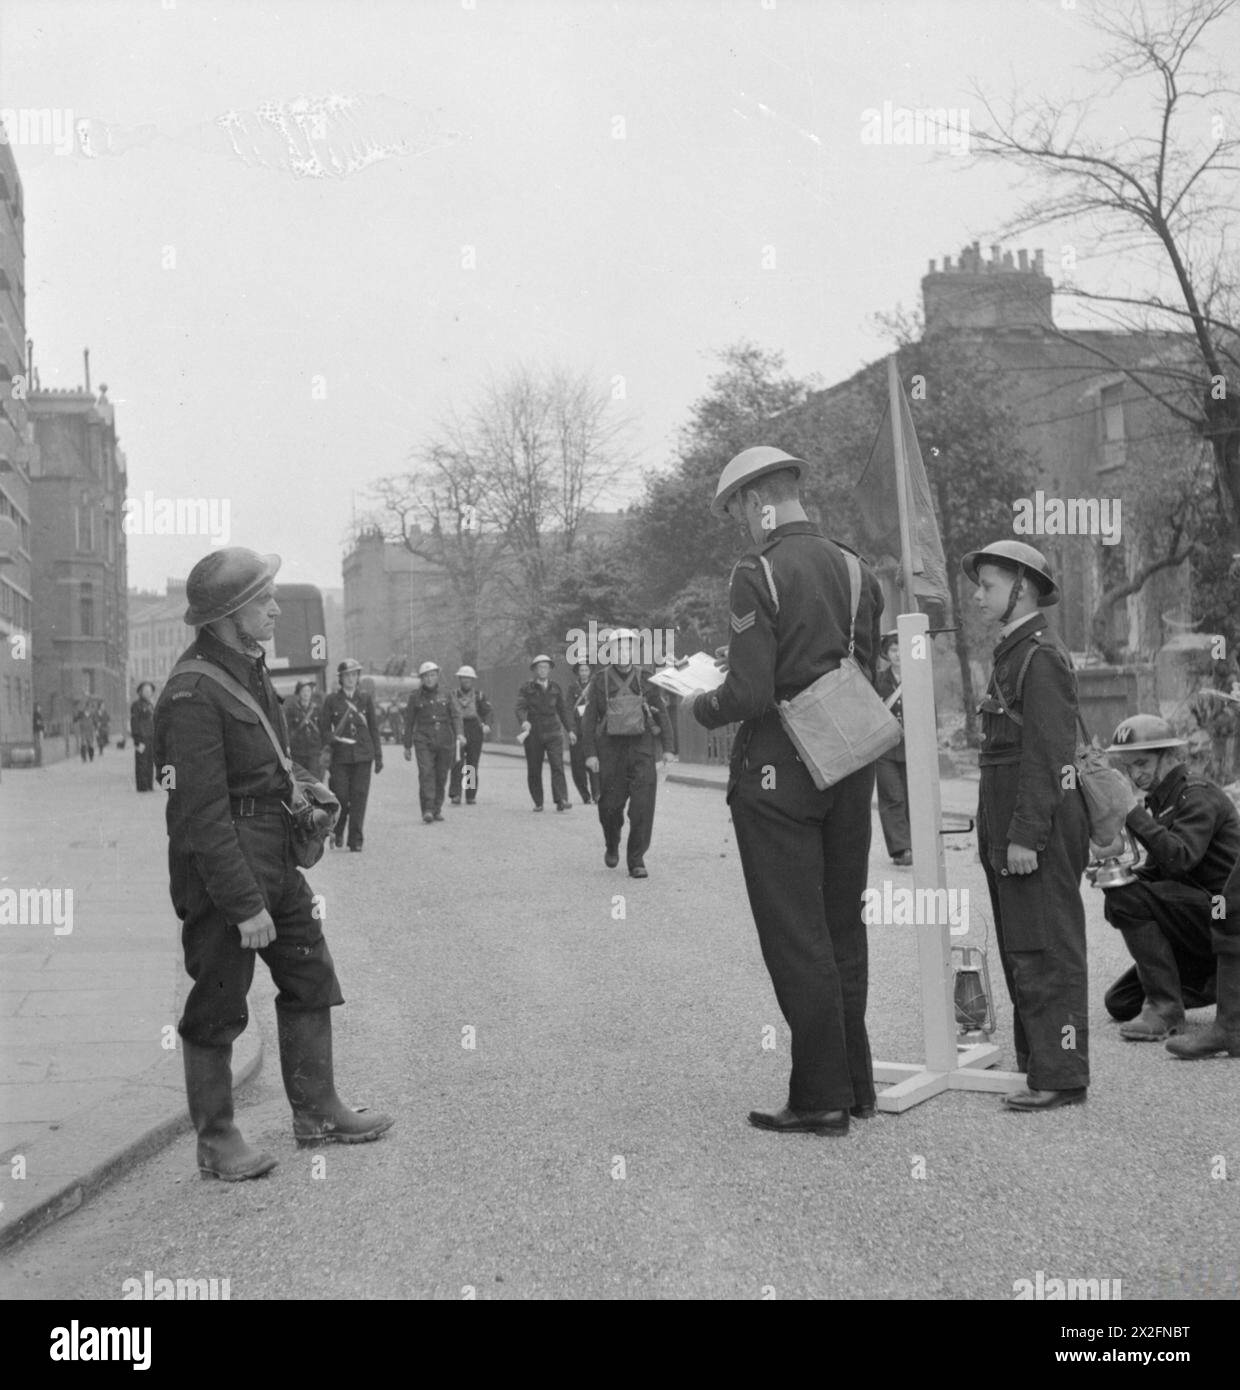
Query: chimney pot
{"points": [[1024, 258]]}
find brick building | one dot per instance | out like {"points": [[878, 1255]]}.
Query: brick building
{"points": [[16, 580], [77, 487]]}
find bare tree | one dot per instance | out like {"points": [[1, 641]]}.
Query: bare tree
{"points": [[1169, 189]]}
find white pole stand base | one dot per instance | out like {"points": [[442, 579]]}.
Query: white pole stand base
{"points": [[910, 1083]]}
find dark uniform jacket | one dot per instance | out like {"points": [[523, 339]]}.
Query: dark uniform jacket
{"points": [[351, 716], [217, 750], [1191, 829], [305, 735], [543, 707], [432, 717], [884, 683], [659, 723], [142, 722], [472, 705], [775, 653], [1022, 808]]}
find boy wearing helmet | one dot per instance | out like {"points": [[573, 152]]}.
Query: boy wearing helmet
{"points": [[475, 711], [1033, 834], [432, 728]]}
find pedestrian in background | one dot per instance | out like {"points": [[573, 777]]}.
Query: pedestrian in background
{"points": [[433, 731], [891, 773], [84, 727], [305, 733], [805, 852], [103, 728], [142, 731], [475, 711], [350, 729], [544, 722], [585, 779]]}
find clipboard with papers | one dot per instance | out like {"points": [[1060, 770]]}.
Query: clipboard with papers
{"points": [[693, 675]]}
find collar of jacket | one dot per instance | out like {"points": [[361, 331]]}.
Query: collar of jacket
{"points": [[234, 662], [1037, 623], [1165, 793], [789, 528]]}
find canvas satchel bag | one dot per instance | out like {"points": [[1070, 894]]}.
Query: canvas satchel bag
{"points": [[839, 723], [309, 839], [626, 710]]}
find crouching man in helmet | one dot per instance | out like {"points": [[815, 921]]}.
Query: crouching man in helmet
{"points": [[1181, 919], [235, 882]]}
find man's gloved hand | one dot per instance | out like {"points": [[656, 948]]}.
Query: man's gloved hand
{"points": [[378, 766], [408, 755], [257, 931]]}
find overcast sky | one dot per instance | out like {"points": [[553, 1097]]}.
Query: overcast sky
{"points": [[279, 339]]}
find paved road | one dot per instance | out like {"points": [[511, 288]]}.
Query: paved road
{"points": [[593, 1142]]}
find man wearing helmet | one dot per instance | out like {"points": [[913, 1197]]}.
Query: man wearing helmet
{"points": [[433, 728], [350, 729], [804, 852], [475, 711], [235, 884], [1180, 921], [1033, 834], [544, 722]]}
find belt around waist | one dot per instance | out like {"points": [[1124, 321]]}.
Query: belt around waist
{"points": [[999, 759], [256, 806]]}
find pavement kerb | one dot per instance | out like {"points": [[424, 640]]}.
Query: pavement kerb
{"points": [[165, 1121]]}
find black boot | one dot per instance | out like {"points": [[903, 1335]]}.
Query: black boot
{"points": [[1163, 1010], [222, 1152], [1223, 1035], [319, 1115]]}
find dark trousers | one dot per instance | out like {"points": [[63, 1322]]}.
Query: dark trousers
{"points": [[144, 768], [586, 782], [222, 968], [550, 746], [1040, 932], [86, 747], [892, 777], [350, 785], [1182, 915], [805, 854], [627, 773], [434, 765], [468, 759]]}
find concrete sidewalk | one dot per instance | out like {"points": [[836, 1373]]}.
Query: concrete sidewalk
{"points": [[90, 1069]]}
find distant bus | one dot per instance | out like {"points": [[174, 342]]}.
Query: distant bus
{"points": [[298, 651]]}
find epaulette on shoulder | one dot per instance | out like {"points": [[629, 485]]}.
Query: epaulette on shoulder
{"points": [[746, 562]]}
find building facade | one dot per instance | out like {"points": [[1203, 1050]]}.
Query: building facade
{"points": [[157, 634], [78, 488], [16, 569]]}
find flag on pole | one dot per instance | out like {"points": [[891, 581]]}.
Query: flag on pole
{"points": [[877, 498]]}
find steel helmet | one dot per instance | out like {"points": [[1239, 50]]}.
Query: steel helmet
{"points": [[427, 666], [542, 656], [1140, 733], [349, 664], [224, 581], [748, 465], [468, 671], [1026, 560]]}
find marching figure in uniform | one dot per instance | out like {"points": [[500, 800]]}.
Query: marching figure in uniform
{"points": [[433, 726], [142, 731], [1033, 835], [475, 710], [544, 722], [1179, 922], [890, 771], [626, 730], [350, 728], [585, 779], [305, 735], [85, 727], [804, 852], [235, 883]]}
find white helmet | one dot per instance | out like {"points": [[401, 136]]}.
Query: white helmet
{"points": [[468, 671], [749, 465], [427, 666]]}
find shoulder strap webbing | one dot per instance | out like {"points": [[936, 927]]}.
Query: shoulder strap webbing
{"points": [[241, 695]]}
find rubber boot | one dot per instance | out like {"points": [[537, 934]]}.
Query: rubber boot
{"points": [[319, 1115], [222, 1152], [1223, 1035], [1162, 1012]]}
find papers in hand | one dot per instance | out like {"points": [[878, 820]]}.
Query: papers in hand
{"points": [[696, 674]]}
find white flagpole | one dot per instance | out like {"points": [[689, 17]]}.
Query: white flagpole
{"points": [[902, 488]]}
